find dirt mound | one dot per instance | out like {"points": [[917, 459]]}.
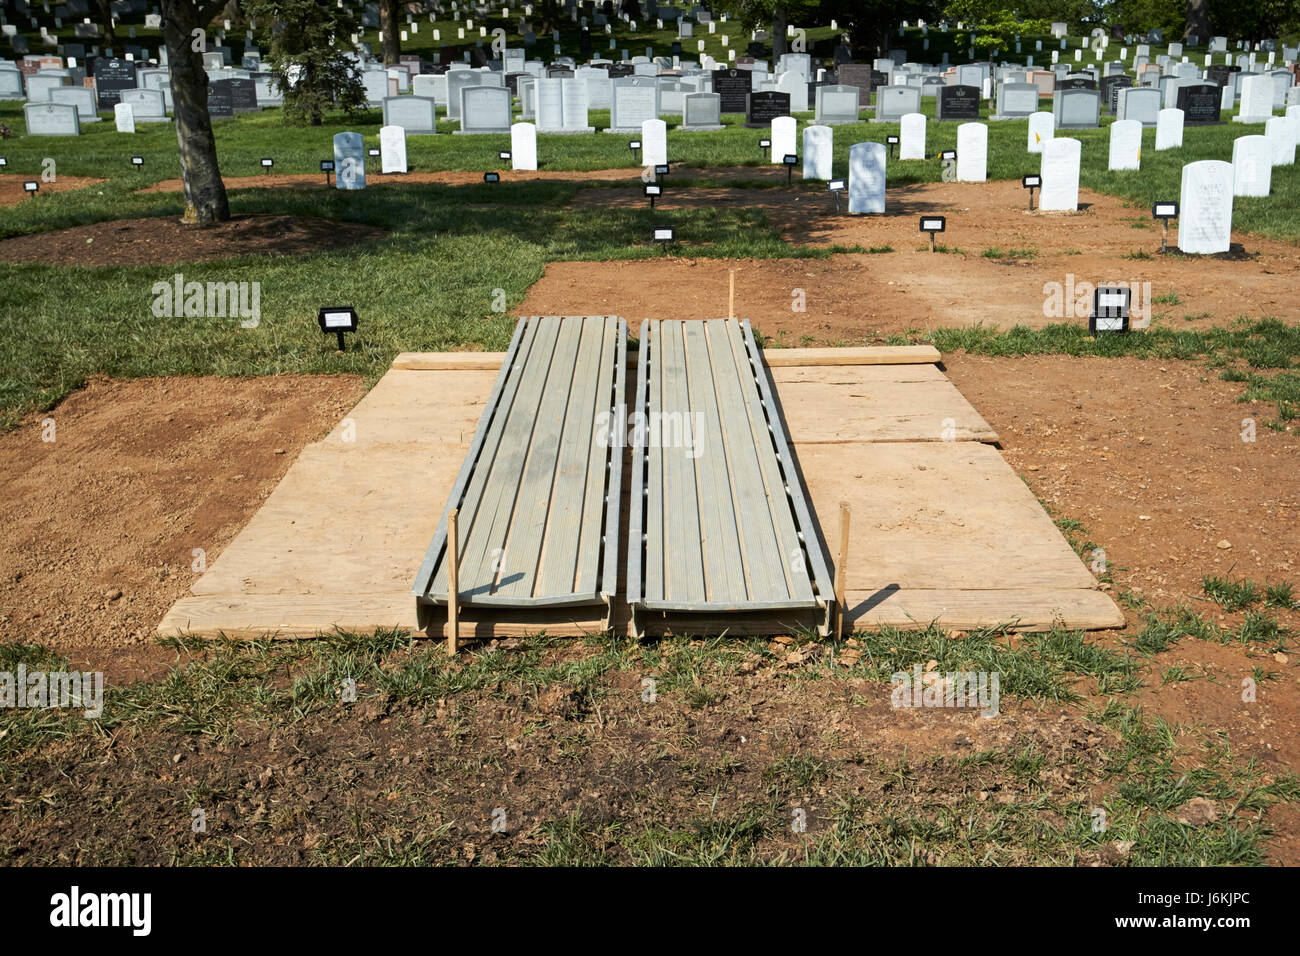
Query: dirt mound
{"points": [[12, 192], [162, 240]]}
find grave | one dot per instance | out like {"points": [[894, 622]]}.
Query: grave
{"points": [[636, 99], [1140, 103], [1077, 109], [1042, 127], [484, 109], [1110, 87], [867, 178], [1252, 166], [836, 105], [972, 153], [784, 138], [523, 146], [417, 115], [912, 137], [349, 161], [763, 107], [895, 102], [957, 103], [734, 87], [701, 112], [654, 142], [1169, 130], [82, 97], [1060, 174], [1125, 145], [112, 76], [124, 117], [1256, 99], [392, 149], [1205, 208], [51, 119], [1200, 104], [1281, 131], [1016, 101], [818, 147], [147, 105]]}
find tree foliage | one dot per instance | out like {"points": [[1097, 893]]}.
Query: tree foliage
{"points": [[307, 50]]}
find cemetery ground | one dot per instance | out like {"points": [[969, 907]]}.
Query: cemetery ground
{"points": [[171, 431]]}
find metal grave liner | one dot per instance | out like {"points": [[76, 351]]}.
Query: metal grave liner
{"points": [[720, 535], [538, 493]]}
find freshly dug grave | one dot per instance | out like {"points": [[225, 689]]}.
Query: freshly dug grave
{"points": [[163, 240]]}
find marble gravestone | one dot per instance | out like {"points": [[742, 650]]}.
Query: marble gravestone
{"points": [[124, 116], [1256, 99], [818, 147], [417, 115], [1125, 145], [1281, 131], [972, 153], [523, 146], [636, 99], [1252, 166], [911, 138], [654, 142], [1077, 109], [82, 97], [866, 178], [836, 105], [147, 106], [1060, 173], [1141, 103], [349, 161], [1169, 130], [895, 102], [1205, 208], [1042, 127], [783, 135], [392, 150], [51, 119], [484, 109], [701, 111], [1016, 101]]}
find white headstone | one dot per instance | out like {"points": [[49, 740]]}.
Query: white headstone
{"points": [[523, 146], [392, 149], [1125, 145], [1205, 208], [1042, 127], [1281, 132], [1060, 172], [972, 153], [867, 178], [818, 142], [911, 140], [784, 142], [1169, 129], [124, 114], [654, 142], [1256, 99], [349, 161], [1252, 166]]}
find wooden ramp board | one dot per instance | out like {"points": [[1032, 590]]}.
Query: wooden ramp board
{"points": [[538, 493], [338, 542], [719, 526]]}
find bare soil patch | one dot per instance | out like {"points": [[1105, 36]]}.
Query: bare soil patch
{"points": [[162, 240], [99, 526], [12, 192]]}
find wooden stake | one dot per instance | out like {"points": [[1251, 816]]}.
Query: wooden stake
{"points": [[840, 567], [453, 583], [731, 296]]}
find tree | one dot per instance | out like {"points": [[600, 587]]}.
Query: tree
{"points": [[308, 57], [389, 26], [105, 8], [871, 24], [995, 26], [184, 23]]}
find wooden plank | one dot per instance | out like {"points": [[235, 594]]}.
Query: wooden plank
{"points": [[447, 361], [613, 493], [652, 342], [939, 515], [601, 484], [1026, 609], [683, 563], [639, 480], [868, 355]]}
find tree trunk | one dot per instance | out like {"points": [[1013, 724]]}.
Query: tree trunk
{"points": [[106, 21], [1198, 20], [779, 47], [204, 190], [390, 24]]}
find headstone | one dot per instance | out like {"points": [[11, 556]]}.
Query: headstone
{"points": [[733, 86], [1110, 87], [1077, 109], [867, 178], [654, 142], [1042, 128], [761, 108], [1252, 166], [484, 109], [1205, 208], [636, 99], [1125, 145], [958, 102], [911, 140], [375, 83], [392, 149], [1200, 104], [82, 97], [1060, 172], [818, 148], [836, 105], [972, 153], [796, 87], [40, 85], [112, 76], [124, 115], [11, 85], [858, 75], [349, 161], [702, 111], [895, 102], [783, 135], [1016, 101], [458, 80], [51, 119], [147, 105], [417, 115], [1256, 99], [1169, 130], [523, 146], [1141, 103], [1281, 132]]}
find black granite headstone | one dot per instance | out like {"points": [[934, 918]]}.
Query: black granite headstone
{"points": [[734, 87], [957, 103], [1200, 103], [762, 108]]}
